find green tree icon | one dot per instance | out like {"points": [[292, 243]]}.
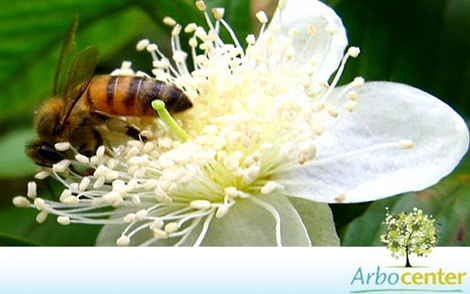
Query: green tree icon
{"points": [[408, 233]]}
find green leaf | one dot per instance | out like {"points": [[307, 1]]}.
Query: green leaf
{"points": [[20, 94], [7, 240], [426, 46], [248, 224], [318, 220], [30, 37], [18, 226], [448, 203], [14, 162]]}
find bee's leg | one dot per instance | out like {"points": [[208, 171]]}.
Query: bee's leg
{"points": [[118, 125], [135, 133]]}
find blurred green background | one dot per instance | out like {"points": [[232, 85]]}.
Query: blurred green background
{"points": [[423, 43]]}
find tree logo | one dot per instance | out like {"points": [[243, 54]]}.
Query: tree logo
{"points": [[408, 233]]}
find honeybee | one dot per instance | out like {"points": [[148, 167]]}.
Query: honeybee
{"points": [[91, 101]]}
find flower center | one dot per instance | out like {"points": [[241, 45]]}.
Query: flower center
{"points": [[256, 112]]}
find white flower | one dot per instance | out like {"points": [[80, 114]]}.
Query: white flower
{"points": [[267, 122]]}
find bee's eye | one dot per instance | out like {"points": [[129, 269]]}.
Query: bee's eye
{"points": [[48, 152]]}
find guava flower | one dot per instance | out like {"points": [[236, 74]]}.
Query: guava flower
{"points": [[269, 124]]}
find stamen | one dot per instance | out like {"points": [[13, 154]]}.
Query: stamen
{"points": [[142, 44], [190, 28], [406, 144], [179, 56], [169, 21], [32, 190], [61, 166], [200, 204], [331, 28], [350, 105], [269, 188], [100, 151], [352, 52], [352, 95], [21, 201], [160, 234], [282, 4], [340, 198], [171, 227], [138, 229], [205, 227], [251, 39], [42, 175], [84, 184], [65, 194], [312, 30], [82, 159], [159, 106], [307, 151], [222, 211], [186, 232], [233, 36], [63, 220], [62, 146], [72, 200], [218, 13], [332, 111], [123, 241], [358, 82], [294, 32], [201, 5], [263, 19], [41, 217], [39, 203]]}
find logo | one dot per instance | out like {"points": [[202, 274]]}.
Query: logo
{"points": [[370, 280], [407, 234]]}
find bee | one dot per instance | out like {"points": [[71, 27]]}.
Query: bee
{"points": [[90, 101]]}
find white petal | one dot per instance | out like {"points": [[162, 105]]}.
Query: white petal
{"points": [[359, 159], [326, 49], [318, 220], [248, 224]]}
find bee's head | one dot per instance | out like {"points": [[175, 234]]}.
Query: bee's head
{"points": [[42, 150], [43, 153]]}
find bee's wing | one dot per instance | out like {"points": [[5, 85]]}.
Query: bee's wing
{"points": [[81, 73], [67, 47]]}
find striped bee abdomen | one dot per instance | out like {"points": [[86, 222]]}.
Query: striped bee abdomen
{"points": [[133, 95]]}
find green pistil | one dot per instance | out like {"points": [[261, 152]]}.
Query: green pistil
{"points": [[159, 106]]}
